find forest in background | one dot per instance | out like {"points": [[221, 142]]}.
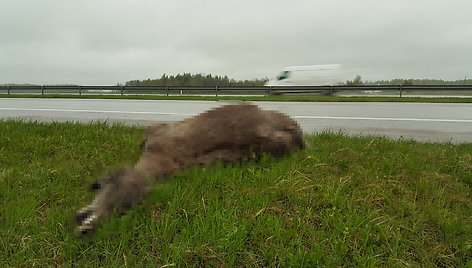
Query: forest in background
{"points": [[357, 81], [195, 80], [202, 80]]}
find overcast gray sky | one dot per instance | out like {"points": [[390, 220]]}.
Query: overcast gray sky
{"points": [[108, 42]]}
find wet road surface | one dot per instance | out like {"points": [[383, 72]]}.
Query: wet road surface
{"points": [[436, 122]]}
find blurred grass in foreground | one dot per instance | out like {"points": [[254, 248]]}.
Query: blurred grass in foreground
{"points": [[358, 201]]}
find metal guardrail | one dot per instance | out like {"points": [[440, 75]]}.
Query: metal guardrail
{"points": [[225, 90]]}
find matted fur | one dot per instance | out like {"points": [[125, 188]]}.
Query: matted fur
{"points": [[229, 134]]}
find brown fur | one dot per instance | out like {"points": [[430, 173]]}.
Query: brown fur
{"points": [[229, 134]]}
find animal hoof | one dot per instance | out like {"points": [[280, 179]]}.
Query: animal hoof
{"points": [[87, 220]]}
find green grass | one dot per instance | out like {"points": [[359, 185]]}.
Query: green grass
{"points": [[345, 201], [262, 98]]}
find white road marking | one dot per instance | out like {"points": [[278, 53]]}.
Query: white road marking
{"points": [[294, 116], [83, 111], [383, 119]]}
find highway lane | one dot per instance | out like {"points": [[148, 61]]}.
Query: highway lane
{"points": [[435, 122]]}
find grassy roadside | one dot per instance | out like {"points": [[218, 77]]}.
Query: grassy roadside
{"points": [[263, 98], [344, 201]]}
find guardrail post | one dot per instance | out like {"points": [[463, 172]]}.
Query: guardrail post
{"points": [[401, 89], [80, 90], [9, 90], [121, 90], [167, 91], [216, 91], [331, 90], [42, 90], [270, 90]]}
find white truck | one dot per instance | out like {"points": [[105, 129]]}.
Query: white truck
{"points": [[310, 75]]}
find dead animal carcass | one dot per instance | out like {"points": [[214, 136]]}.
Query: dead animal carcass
{"points": [[228, 134]]}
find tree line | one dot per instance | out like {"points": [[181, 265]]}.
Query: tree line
{"points": [[195, 80], [202, 80], [357, 81]]}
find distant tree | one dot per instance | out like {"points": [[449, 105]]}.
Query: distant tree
{"points": [[163, 80], [356, 82], [408, 82]]}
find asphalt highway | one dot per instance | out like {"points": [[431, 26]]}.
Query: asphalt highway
{"points": [[434, 122]]}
